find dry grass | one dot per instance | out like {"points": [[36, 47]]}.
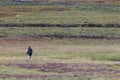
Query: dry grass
{"points": [[59, 50], [78, 45]]}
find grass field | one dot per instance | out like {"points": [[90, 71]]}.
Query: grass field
{"points": [[62, 14], [60, 53], [63, 17], [60, 59]]}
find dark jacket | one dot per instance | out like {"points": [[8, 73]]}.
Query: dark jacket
{"points": [[29, 51]]}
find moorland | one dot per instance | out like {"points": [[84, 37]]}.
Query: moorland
{"points": [[77, 40]]}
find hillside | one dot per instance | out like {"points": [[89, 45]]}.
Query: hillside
{"points": [[78, 1], [39, 2], [91, 1]]}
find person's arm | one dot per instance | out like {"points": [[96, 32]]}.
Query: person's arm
{"points": [[27, 51]]}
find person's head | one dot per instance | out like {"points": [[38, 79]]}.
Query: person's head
{"points": [[29, 47]]}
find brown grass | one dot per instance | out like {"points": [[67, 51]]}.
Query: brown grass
{"points": [[79, 45]]}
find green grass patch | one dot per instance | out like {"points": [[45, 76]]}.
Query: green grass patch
{"points": [[109, 56], [39, 31]]}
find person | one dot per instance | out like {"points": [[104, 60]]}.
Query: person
{"points": [[29, 52]]}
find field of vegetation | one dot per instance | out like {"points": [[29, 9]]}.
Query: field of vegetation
{"points": [[70, 41], [60, 59], [60, 32], [61, 14]]}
